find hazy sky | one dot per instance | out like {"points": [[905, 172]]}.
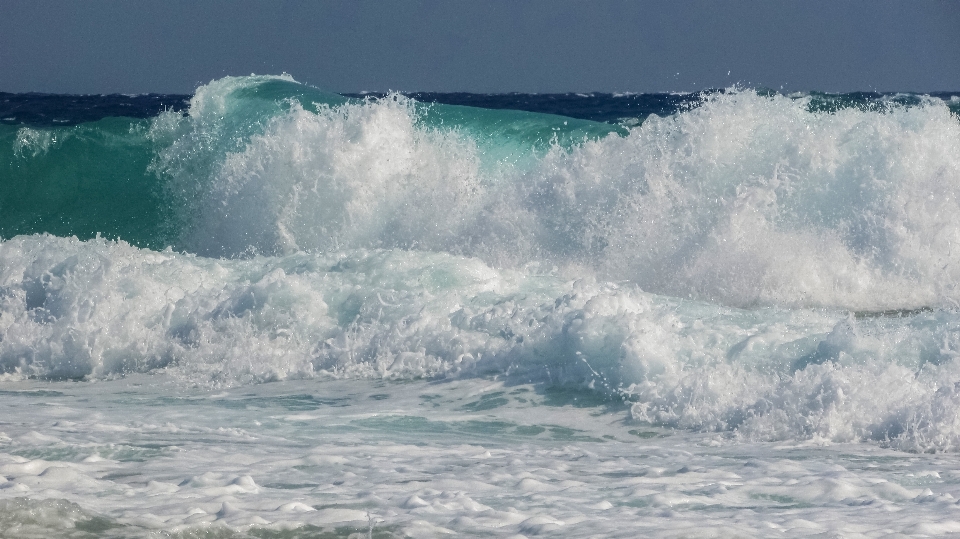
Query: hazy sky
{"points": [[97, 46]]}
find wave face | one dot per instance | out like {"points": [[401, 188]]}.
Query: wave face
{"points": [[757, 263]]}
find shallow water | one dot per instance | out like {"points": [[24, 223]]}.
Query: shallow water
{"points": [[137, 458]]}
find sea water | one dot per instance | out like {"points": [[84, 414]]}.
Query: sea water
{"points": [[268, 311]]}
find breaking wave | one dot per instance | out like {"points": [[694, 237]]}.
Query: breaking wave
{"points": [[754, 263]]}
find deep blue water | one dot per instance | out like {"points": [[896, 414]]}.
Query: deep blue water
{"points": [[39, 109]]}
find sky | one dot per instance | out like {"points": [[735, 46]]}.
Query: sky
{"points": [[173, 46]]}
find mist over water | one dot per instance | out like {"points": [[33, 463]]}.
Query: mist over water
{"points": [[781, 267]]}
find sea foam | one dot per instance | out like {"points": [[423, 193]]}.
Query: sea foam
{"points": [[750, 265], [100, 309], [745, 200]]}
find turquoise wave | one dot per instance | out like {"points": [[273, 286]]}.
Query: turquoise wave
{"points": [[700, 203], [760, 263], [82, 181], [108, 177]]}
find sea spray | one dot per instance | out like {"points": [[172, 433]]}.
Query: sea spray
{"points": [[701, 204], [270, 311], [755, 264], [100, 309]]}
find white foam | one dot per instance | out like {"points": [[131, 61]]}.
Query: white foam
{"points": [[700, 266], [394, 466], [100, 309], [747, 200]]}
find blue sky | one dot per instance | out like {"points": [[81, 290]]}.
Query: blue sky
{"points": [[98, 46]]}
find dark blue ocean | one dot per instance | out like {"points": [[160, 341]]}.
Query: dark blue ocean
{"points": [[38, 109]]}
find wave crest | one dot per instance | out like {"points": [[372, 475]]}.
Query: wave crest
{"points": [[746, 200]]}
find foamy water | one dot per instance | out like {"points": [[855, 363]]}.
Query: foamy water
{"points": [[485, 322]]}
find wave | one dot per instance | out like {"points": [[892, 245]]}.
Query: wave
{"points": [[92, 309], [745, 200], [757, 264], [748, 199]]}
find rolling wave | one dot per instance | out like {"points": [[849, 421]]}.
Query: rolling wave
{"points": [[757, 263]]}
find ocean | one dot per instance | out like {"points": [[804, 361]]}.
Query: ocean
{"points": [[268, 311]]}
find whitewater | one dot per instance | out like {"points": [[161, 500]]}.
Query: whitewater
{"points": [[270, 311]]}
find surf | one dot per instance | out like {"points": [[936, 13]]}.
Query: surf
{"points": [[755, 263]]}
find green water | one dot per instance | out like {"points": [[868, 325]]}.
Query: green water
{"points": [[141, 180], [80, 181]]}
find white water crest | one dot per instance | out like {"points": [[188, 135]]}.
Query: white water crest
{"points": [[745, 200], [100, 309]]}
